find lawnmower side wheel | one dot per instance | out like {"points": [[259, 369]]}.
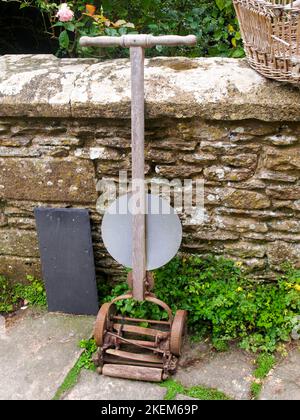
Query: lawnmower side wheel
{"points": [[102, 322], [177, 332]]}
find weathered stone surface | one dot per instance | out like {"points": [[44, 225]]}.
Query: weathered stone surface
{"points": [[178, 170], [251, 265], [22, 222], [98, 153], [241, 224], [283, 192], [17, 268], [287, 225], [216, 88], [173, 144], [200, 158], [15, 141], [286, 204], [241, 160], [21, 243], [37, 352], [181, 397], [230, 372], [283, 382], [244, 199], [217, 235], [245, 250], [57, 141], [49, 180], [38, 85], [279, 252], [276, 176], [225, 173], [228, 147], [282, 140], [160, 156], [282, 159], [92, 386], [3, 219], [19, 152]]}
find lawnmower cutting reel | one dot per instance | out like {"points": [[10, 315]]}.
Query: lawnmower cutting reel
{"points": [[142, 238]]}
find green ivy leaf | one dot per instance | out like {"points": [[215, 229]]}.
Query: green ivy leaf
{"points": [[221, 4]]}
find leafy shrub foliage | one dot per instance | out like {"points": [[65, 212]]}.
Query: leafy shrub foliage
{"points": [[12, 296], [212, 21], [222, 301]]}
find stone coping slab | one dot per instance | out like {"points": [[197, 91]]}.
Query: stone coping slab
{"points": [[213, 88]]}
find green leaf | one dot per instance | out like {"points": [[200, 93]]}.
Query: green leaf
{"points": [[221, 4], [64, 40], [70, 26], [58, 24]]}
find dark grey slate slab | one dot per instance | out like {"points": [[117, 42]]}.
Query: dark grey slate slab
{"points": [[67, 260]]}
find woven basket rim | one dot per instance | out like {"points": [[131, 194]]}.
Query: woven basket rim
{"points": [[270, 4]]}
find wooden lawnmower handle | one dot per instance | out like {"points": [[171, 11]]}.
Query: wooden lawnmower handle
{"points": [[140, 40]]}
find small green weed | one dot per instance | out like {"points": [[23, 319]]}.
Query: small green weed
{"points": [[265, 362], [199, 392], [84, 362], [256, 388], [6, 296], [90, 347], [203, 393]]}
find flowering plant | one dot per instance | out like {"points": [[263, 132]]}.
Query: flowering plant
{"points": [[69, 21]]}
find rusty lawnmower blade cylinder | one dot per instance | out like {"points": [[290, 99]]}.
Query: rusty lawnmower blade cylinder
{"points": [[161, 344], [140, 373]]}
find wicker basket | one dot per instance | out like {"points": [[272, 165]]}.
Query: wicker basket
{"points": [[271, 35]]}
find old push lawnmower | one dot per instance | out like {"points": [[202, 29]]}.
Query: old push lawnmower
{"points": [[140, 231]]}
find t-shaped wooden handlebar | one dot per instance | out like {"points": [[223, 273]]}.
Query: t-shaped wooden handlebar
{"points": [[140, 40]]}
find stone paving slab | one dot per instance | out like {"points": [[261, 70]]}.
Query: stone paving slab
{"points": [[283, 382], [37, 352], [229, 372], [181, 397], [92, 386]]}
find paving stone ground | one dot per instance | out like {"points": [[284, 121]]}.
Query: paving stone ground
{"points": [[283, 382], [92, 386], [229, 372], [37, 352], [39, 349]]}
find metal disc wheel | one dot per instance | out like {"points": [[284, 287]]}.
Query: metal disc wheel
{"points": [[102, 322], [177, 332]]}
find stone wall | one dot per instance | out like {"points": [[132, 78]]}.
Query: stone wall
{"points": [[64, 125]]}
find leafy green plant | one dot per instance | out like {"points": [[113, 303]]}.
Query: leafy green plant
{"points": [[212, 21], [12, 295], [71, 20], [90, 347], [221, 299], [33, 293]]}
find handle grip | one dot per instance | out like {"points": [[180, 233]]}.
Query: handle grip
{"points": [[139, 40]]}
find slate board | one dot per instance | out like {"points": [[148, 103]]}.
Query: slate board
{"points": [[67, 260]]}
